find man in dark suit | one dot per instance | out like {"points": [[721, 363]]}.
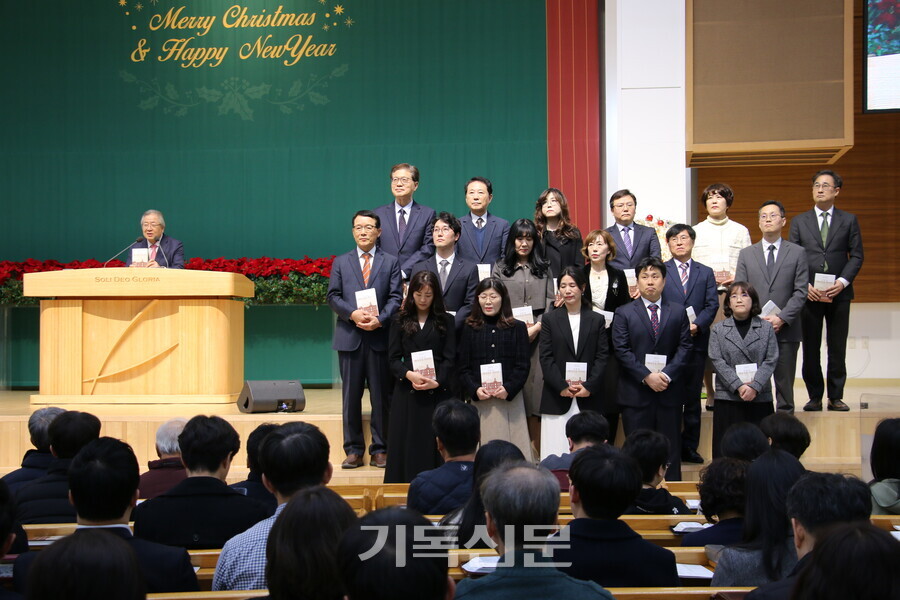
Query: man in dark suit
{"points": [[600, 547], [38, 459], [163, 251], [201, 511], [458, 276], [360, 335], [778, 271], [483, 235], [694, 286], [103, 486], [633, 242], [405, 223], [652, 339], [833, 244]]}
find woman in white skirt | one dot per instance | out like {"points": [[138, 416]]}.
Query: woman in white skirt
{"points": [[574, 352]]}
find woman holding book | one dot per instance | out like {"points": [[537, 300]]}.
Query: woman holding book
{"points": [[421, 354], [494, 364]]}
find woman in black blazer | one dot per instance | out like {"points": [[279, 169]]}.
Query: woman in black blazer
{"points": [[560, 239], [572, 333], [606, 290], [420, 324]]}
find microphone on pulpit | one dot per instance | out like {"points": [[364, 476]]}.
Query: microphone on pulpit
{"points": [[123, 250], [159, 244]]}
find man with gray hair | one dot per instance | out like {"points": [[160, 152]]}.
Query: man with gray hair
{"points": [[168, 470], [521, 502], [36, 461], [162, 251]]}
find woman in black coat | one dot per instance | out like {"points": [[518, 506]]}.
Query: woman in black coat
{"points": [[420, 325], [560, 239]]}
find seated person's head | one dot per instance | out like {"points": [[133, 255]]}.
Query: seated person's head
{"points": [[769, 479], [651, 451], [721, 489], [103, 481], [253, 441], [786, 432], [457, 428], [7, 519], [70, 431], [167, 438], [604, 482], [294, 456], [39, 426], [208, 445], [517, 498], [87, 565], [885, 456], [301, 552], [820, 500], [371, 562], [587, 428], [744, 441]]}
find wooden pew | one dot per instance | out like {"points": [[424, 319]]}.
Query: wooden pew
{"points": [[224, 595], [886, 522], [674, 593]]}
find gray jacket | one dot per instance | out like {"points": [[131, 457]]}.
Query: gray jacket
{"points": [[728, 349]]}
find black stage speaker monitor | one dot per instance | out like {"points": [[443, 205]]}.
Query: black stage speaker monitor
{"points": [[271, 396]]}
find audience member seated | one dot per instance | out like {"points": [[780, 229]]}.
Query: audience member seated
{"points": [[786, 432], [378, 560], [817, 502], [457, 428], [292, 457], [168, 470], [471, 526], [92, 565], [7, 533], [521, 502], [103, 487], [651, 451], [722, 502], [201, 511], [767, 553], [598, 545], [46, 499], [587, 428], [744, 441], [301, 554], [253, 487], [885, 463], [37, 460], [853, 560]]}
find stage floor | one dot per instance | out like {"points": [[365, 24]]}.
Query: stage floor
{"points": [[840, 440]]}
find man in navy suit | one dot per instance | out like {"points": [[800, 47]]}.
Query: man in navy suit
{"points": [[407, 236], [692, 285], [651, 331], [360, 336], [483, 235], [164, 251], [458, 277], [634, 242]]}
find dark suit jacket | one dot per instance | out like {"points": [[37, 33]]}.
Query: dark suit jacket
{"points": [[165, 568], [633, 340], [616, 293], [171, 255], [843, 250], [557, 349], [701, 294], [417, 243], [199, 512], [34, 464], [253, 487], [346, 279], [459, 293], [787, 287], [46, 499], [644, 244], [612, 554], [496, 230], [562, 252]]}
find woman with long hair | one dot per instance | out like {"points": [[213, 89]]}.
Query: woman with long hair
{"points": [[422, 381], [560, 239], [527, 277], [885, 462], [491, 337]]}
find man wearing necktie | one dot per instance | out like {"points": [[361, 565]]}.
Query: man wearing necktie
{"points": [[163, 251], [405, 236], [633, 242], [833, 244], [483, 235]]}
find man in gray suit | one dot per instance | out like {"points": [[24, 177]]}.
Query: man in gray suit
{"points": [[778, 271], [633, 242], [833, 245]]}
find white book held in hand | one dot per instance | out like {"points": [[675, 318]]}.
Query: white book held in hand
{"points": [[491, 377], [823, 281], [607, 316], [484, 271], [746, 372], [423, 364], [367, 301], [655, 362], [524, 313], [576, 373], [140, 255], [630, 277], [691, 313], [770, 309]]}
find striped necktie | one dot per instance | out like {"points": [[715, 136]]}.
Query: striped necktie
{"points": [[654, 319], [684, 276], [367, 268]]}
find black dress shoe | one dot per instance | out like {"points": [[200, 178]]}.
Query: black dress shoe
{"points": [[691, 456], [837, 405], [813, 405]]}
